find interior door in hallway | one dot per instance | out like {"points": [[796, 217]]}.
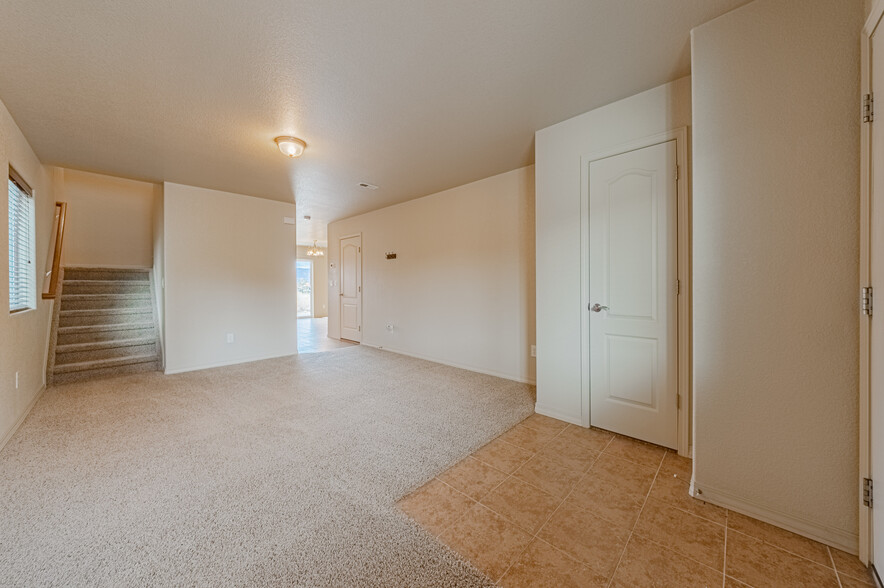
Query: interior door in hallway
{"points": [[633, 300], [351, 288]]}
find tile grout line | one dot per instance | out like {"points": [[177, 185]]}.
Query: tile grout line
{"points": [[555, 510], [838, 572], [784, 550], [635, 524], [781, 548], [534, 536], [680, 554], [475, 502], [582, 477], [446, 527], [724, 569], [533, 455], [508, 476], [832, 559]]}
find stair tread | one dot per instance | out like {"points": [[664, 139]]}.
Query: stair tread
{"points": [[105, 311], [109, 282], [104, 363], [107, 268], [108, 296], [110, 327], [113, 343]]}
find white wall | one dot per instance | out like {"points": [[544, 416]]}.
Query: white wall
{"points": [[230, 268], [24, 336], [461, 290], [320, 281], [558, 152], [776, 135], [109, 220]]}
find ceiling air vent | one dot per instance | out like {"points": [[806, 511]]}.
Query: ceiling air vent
{"points": [[367, 186]]}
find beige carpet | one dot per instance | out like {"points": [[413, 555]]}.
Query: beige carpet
{"points": [[278, 473]]}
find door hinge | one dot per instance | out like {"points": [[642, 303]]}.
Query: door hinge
{"points": [[676, 172], [359, 328], [359, 289], [868, 108], [359, 249], [866, 301], [677, 287], [678, 401], [867, 492]]}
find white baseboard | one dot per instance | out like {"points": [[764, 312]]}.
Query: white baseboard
{"points": [[456, 365], [838, 538], [209, 366], [22, 418], [540, 409]]}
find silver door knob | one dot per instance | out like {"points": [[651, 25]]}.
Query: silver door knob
{"points": [[597, 307]]}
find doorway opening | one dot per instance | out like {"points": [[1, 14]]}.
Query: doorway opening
{"points": [[312, 322], [304, 274]]}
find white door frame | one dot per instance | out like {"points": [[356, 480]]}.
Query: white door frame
{"points": [[680, 135], [865, 454], [340, 274]]}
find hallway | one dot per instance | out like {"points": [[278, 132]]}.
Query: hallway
{"points": [[313, 336]]}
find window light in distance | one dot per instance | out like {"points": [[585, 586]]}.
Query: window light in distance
{"points": [[291, 146], [315, 251]]}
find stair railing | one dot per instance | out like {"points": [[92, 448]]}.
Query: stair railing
{"points": [[56, 245]]}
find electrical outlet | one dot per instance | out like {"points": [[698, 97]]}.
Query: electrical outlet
{"points": [[230, 337], [534, 351]]}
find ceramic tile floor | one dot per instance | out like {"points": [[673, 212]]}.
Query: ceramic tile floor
{"points": [[313, 336], [551, 504]]}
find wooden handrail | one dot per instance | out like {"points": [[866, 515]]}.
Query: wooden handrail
{"points": [[56, 256]]}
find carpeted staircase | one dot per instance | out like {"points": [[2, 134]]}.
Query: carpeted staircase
{"points": [[105, 325]]}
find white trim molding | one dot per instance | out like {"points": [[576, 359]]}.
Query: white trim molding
{"points": [[461, 366], [540, 409], [24, 415], [865, 458], [209, 366], [838, 538], [874, 18]]}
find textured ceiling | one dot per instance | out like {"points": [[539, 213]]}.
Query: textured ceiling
{"points": [[411, 95]]}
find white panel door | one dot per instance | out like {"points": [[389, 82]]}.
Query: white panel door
{"points": [[351, 288], [632, 288], [876, 321]]}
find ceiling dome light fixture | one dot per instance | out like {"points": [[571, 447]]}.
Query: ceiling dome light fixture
{"points": [[291, 146], [315, 251]]}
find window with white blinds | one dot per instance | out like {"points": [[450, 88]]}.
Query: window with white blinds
{"points": [[21, 249]]}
